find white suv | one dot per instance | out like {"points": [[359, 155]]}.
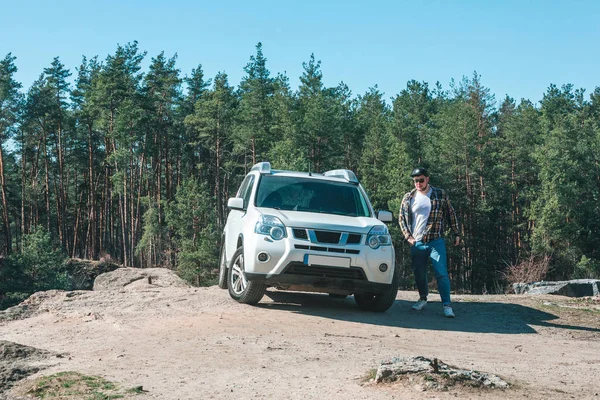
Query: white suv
{"points": [[307, 232]]}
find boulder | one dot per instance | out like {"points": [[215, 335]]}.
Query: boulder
{"points": [[138, 278], [83, 272], [435, 374], [572, 288], [18, 362]]}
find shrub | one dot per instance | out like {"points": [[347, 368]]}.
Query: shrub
{"points": [[37, 267], [533, 269], [587, 269]]}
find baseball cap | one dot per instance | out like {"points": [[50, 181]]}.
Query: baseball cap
{"points": [[419, 171]]}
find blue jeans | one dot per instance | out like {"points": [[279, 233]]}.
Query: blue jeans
{"points": [[436, 250]]}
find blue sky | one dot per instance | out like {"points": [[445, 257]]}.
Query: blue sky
{"points": [[518, 47]]}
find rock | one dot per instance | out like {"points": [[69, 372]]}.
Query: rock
{"points": [[18, 362], [138, 278], [30, 306], [572, 288], [435, 373], [82, 273]]}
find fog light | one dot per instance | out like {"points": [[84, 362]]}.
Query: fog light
{"points": [[383, 267], [263, 257]]}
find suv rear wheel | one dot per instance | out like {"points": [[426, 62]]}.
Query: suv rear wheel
{"points": [[241, 289], [222, 269]]}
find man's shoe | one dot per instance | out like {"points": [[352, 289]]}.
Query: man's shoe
{"points": [[448, 312], [418, 306]]}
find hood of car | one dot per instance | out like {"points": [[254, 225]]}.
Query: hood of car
{"points": [[332, 222]]}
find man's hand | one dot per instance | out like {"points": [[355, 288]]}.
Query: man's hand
{"points": [[411, 240], [457, 240]]}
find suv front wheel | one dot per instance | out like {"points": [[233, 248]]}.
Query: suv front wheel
{"points": [[378, 302], [241, 289]]}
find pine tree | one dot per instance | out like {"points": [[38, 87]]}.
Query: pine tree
{"points": [[92, 154], [519, 133], [373, 120], [254, 136], [212, 123], [9, 109], [56, 79], [192, 151], [115, 95], [413, 109], [196, 236], [318, 120]]}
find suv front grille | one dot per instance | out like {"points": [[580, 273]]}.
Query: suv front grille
{"points": [[353, 238], [321, 271], [328, 237], [300, 233]]}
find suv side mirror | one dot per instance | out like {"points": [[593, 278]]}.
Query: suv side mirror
{"points": [[236, 203], [384, 216]]}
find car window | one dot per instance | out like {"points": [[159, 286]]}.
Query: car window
{"points": [[246, 189], [243, 186], [248, 192], [311, 195]]}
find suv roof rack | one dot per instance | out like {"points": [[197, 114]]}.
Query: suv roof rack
{"points": [[342, 173], [262, 167]]}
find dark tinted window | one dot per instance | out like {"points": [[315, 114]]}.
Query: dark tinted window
{"points": [[311, 195], [245, 190], [248, 191]]}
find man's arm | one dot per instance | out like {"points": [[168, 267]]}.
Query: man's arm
{"points": [[452, 216], [403, 218]]}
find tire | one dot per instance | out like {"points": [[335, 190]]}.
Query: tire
{"points": [[378, 302], [241, 289], [222, 269]]}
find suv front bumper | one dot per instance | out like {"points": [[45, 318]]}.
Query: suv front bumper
{"points": [[352, 268]]}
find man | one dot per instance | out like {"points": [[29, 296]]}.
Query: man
{"points": [[423, 213]]}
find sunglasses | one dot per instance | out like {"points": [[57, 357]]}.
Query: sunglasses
{"points": [[420, 180]]}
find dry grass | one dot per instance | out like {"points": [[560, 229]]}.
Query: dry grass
{"points": [[73, 385], [533, 269]]}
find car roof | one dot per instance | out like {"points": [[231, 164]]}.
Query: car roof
{"points": [[338, 175]]}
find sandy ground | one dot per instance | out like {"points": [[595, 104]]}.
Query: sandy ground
{"points": [[198, 343]]}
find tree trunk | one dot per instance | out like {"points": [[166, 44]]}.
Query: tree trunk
{"points": [[7, 236], [46, 182], [92, 221]]}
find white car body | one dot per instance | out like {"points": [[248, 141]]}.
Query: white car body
{"points": [[294, 247]]}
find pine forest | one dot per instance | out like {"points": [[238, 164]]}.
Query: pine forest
{"points": [[112, 162]]}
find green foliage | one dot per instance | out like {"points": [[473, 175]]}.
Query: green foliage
{"points": [[372, 119], [191, 217], [319, 113], [587, 268], [565, 210], [10, 97], [151, 247], [253, 134], [38, 266]]}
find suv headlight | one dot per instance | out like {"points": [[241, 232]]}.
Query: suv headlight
{"points": [[271, 226], [379, 236]]}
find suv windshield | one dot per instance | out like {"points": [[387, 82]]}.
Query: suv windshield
{"points": [[311, 195]]}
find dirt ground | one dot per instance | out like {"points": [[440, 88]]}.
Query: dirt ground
{"points": [[198, 343]]}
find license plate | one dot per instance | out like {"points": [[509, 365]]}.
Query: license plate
{"points": [[311, 259]]}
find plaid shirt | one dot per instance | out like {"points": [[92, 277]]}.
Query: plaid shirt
{"points": [[440, 207]]}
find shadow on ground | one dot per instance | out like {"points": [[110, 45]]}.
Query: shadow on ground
{"points": [[480, 317]]}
